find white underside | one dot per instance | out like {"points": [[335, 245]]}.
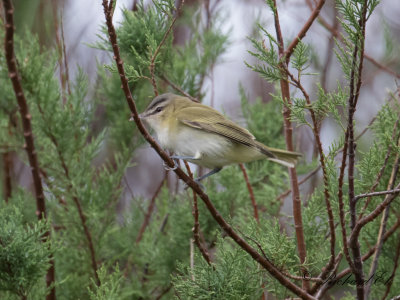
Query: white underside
{"points": [[210, 150]]}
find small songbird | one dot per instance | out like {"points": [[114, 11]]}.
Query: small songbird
{"points": [[203, 136]]}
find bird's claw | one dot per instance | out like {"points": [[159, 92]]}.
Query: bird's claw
{"points": [[168, 168]]}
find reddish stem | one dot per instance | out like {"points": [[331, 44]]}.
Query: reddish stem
{"points": [[251, 193], [150, 210]]}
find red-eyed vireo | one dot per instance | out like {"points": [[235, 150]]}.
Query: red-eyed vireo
{"points": [[201, 135]]}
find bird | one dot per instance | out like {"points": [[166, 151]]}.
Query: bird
{"points": [[203, 136]]}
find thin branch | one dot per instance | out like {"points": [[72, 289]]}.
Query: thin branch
{"points": [[153, 58], [355, 85], [395, 191], [196, 227], [190, 182], [315, 129], [383, 223], [303, 31], [177, 88], [150, 210], [7, 164], [307, 177], [76, 200], [27, 128], [285, 92], [251, 192]]}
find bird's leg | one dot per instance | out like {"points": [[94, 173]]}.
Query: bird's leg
{"points": [[212, 172], [197, 180], [185, 157]]}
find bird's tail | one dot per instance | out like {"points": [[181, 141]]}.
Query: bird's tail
{"points": [[283, 157]]}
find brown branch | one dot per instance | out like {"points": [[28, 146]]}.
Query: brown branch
{"points": [[27, 129], [367, 255], [190, 182], [153, 58], [395, 191], [251, 192], [150, 210], [315, 129], [7, 164], [355, 85], [177, 88], [285, 92], [196, 227], [307, 177], [303, 31]]}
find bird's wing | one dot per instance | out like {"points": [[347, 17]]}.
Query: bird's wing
{"points": [[208, 119]]}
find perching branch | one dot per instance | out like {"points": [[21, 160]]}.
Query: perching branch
{"points": [[27, 129], [190, 182]]}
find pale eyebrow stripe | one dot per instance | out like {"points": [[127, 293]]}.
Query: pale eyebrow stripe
{"points": [[159, 101]]}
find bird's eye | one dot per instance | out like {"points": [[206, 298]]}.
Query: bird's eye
{"points": [[158, 109]]}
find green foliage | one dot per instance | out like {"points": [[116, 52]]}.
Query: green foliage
{"points": [[268, 56], [109, 288], [233, 276], [24, 250]]}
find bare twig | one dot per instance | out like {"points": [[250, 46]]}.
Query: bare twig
{"points": [[251, 193], [315, 129], [285, 92], [150, 210], [304, 30], [190, 182], [155, 54], [196, 227], [7, 163], [177, 88], [395, 191]]}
